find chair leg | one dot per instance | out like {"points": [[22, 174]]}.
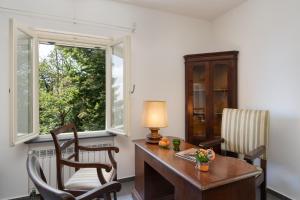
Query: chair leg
{"points": [[263, 191], [115, 196], [107, 196]]}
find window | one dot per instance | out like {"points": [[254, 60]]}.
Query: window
{"points": [[65, 77]]}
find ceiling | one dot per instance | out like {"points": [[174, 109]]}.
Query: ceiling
{"points": [[204, 9]]}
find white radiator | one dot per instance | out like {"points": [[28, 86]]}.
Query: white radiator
{"points": [[47, 159]]}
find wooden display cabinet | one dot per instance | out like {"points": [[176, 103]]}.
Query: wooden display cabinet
{"points": [[211, 85]]}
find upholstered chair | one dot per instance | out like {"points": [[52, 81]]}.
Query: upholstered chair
{"points": [[244, 134]]}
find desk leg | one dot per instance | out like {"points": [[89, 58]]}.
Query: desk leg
{"points": [[179, 194], [138, 191]]}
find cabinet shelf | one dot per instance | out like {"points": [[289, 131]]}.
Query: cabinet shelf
{"points": [[198, 113], [220, 90]]}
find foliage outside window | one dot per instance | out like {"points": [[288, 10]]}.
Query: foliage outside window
{"points": [[72, 87]]}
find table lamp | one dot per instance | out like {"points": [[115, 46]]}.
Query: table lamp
{"points": [[155, 117]]}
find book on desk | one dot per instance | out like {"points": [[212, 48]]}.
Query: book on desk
{"points": [[188, 154]]}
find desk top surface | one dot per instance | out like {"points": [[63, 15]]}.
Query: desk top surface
{"points": [[222, 170]]}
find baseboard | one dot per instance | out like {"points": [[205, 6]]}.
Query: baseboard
{"points": [[126, 179], [277, 194], [26, 198], [136, 195]]}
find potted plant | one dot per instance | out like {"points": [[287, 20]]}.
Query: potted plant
{"points": [[203, 156]]}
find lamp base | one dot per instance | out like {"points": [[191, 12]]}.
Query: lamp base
{"points": [[154, 136]]}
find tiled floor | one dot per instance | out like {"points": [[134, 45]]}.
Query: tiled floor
{"points": [[272, 197], [125, 193]]}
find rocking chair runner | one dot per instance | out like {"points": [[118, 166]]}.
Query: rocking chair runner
{"points": [[87, 175]]}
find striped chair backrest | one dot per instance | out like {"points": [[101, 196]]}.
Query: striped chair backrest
{"points": [[244, 130]]}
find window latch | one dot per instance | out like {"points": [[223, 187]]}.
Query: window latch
{"points": [[133, 89]]}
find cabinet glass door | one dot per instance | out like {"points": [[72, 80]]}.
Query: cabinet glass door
{"points": [[199, 93], [221, 92]]}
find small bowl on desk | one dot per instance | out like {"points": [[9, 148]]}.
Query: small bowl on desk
{"points": [[164, 143]]}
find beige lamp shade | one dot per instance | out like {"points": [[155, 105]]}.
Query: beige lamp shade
{"points": [[155, 114]]}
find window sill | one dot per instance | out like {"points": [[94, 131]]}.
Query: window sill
{"points": [[44, 139]]}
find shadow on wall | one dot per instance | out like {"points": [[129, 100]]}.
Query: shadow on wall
{"points": [[283, 143]]}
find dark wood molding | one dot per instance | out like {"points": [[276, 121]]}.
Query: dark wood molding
{"points": [[223, 55], [127, 179]]}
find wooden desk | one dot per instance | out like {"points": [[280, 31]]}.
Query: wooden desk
{"points": [[159, 174]]}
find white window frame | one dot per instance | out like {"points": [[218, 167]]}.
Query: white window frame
{"points": [[126, 85], [70, 39], [14, 138]]}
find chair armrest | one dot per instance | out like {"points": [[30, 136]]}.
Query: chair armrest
{"points": [[83, 148], [211, 143], [108, 149], [105, 189], [75, 164], [256, 153]]}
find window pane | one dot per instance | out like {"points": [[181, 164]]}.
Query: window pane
{"points": [[199, 99], [24, 84], [71, 87], [117, 100]]}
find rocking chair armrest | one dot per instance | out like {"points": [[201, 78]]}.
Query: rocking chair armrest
{"points": [[211, 143], [256, 153], [75, 164], [104, 189]]}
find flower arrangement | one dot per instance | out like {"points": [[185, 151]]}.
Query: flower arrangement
{"points": [[203, 156]]}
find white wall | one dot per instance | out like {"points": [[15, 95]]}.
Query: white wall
{"points": [[158, 45], [266, 32]]}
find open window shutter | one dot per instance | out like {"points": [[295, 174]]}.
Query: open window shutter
{"points": [[24, 87], [117, 87]]}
